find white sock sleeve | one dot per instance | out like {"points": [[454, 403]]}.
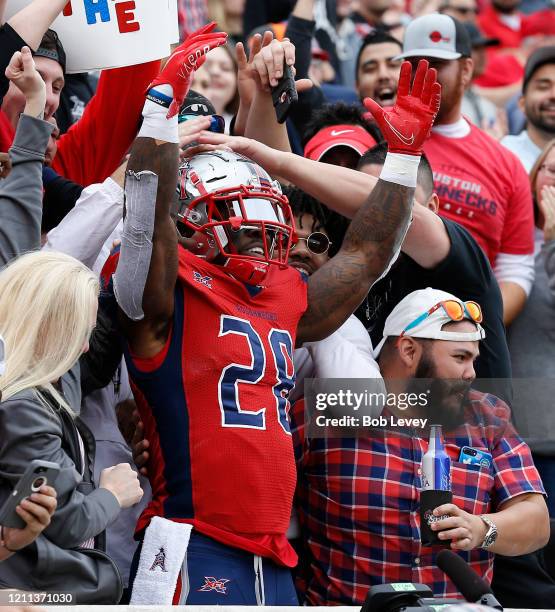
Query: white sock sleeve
{"points": [[401, 169], [155, 124]]}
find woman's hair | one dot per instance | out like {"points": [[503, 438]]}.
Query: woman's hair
{"points": [[48, 302], [534, 174], [233, 105], [539, 163]]}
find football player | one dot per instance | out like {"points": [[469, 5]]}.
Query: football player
{"points": [[212, 318]]}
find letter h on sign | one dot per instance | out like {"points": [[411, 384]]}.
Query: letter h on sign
{"points": [[124, 13], [97, 7]]}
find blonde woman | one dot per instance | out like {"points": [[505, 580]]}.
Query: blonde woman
{"points": [[48, 307]]}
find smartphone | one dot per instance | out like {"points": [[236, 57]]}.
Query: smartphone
{"points": [[473, 456], [284, 94], [37, 474]]}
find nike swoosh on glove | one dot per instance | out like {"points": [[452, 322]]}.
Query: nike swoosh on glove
{"points": [[180, 67], [406, 126]]}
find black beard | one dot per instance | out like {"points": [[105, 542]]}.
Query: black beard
{"points": [[446, 397], [537, 121]]}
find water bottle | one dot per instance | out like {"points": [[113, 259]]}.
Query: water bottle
{"points": [[436, 486]]}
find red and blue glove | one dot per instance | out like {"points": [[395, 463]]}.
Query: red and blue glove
{"points": [[406, 126], [180, 67]]}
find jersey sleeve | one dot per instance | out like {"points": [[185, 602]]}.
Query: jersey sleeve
{"points": [[518, 231], [93, 148]]}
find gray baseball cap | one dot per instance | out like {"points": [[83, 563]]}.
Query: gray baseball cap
{"points": [[438, 36]]}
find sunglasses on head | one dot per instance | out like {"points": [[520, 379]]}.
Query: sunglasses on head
{"points": [[317, 243], [454, 309]]}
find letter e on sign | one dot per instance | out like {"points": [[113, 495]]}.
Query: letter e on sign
{"points": [[126, 17]]}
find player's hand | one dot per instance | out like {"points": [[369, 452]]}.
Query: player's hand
{"points": [[407, 124], [139, 446], [547, 206], [270, 159], [36, 511], [465, 530], [190, 55]]}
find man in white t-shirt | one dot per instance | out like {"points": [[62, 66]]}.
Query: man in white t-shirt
{"points": [[538, 104]]}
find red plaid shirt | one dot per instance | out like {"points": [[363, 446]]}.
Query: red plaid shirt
{"points": [[358, 502]]}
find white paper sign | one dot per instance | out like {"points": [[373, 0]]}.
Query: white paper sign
{"points": [[112, 33]]}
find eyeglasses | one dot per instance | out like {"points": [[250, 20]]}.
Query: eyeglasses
{"points": [[549, 170], [317, 243], [217, 122], [454, 309]]}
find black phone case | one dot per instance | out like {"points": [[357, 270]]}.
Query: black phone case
{"points": [[24, 488], [284, 94]]}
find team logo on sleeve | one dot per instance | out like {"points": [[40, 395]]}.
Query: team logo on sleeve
{"points": [[214, 584], [203, 280]]}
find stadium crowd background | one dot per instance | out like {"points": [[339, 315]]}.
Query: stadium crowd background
{"points": [[122, 419]]}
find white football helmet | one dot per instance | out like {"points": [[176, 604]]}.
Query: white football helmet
{"points": [[223, 195]]}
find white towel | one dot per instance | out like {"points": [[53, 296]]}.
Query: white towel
{"points": [[164, 548]]}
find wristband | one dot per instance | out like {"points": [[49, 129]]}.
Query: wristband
{"points": [[155, 122], [158, 98], [401, 169]]}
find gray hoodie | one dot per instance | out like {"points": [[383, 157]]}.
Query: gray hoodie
{"points": [[532, 346], [30, 430]]}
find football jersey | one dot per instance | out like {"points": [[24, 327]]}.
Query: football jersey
{"points": [[214, 403]]}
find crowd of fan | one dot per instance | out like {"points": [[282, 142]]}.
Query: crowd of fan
{"points": [[482, 232]]}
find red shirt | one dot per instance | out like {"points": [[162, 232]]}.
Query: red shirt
{"points": [[7, 133], [541, 22], [484, 187], [502, 69], [214, 404], [94, 147]]}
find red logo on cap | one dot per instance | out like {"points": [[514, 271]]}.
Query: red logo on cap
{"points": [[437, 37]]}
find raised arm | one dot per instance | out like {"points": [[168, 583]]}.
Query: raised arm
{"points": [[144, 282], [32, 21], [376, 233], [21, 192], [379, 227]]}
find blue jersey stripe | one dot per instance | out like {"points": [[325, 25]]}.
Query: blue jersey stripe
{"points": [[165, 393]]}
